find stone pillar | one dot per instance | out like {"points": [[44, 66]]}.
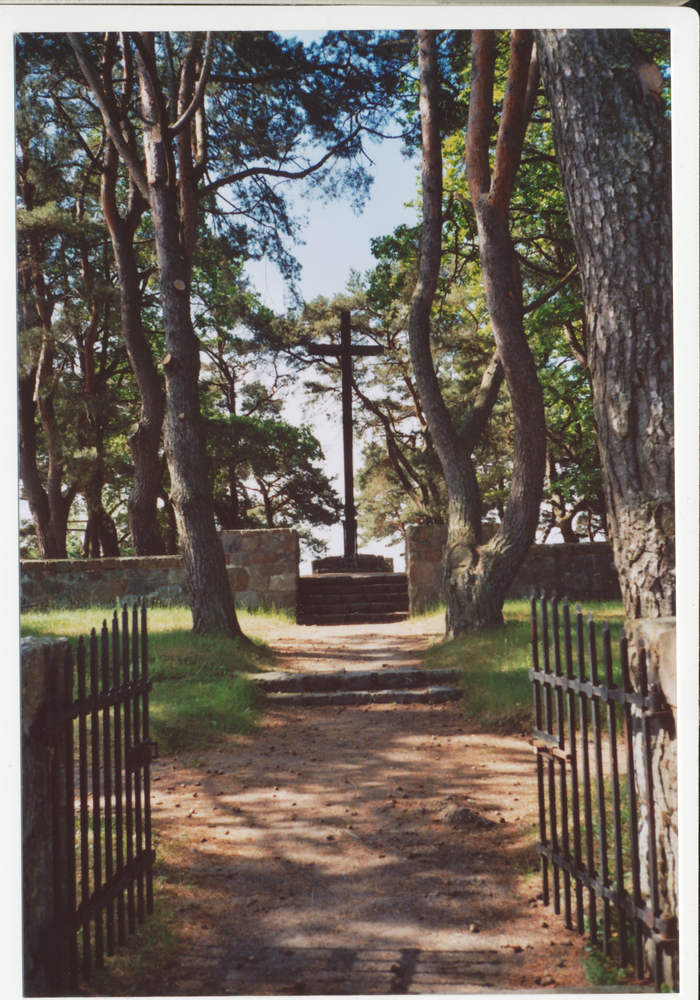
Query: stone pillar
{"points": [[425, 565], [658, 636], [45, 821]]}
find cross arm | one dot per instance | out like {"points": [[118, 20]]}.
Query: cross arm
{"points": [[336, 350]]}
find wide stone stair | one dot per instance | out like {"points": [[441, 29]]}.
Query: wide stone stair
{"points": [[401, 686], [352, 598]]}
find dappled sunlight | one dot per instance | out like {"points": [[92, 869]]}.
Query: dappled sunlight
{"points": [[321, 846]]}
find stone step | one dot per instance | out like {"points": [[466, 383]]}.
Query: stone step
{"points": [[403, 686], [349, 619], [352, 599], [333, 605], [429, 696], [352, 680], [308, 593]]}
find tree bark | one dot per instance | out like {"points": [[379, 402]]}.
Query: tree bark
{"points": [[169, 186], [144, 439], [613, 146], [49, 506], [174, 223], [477, 576]]}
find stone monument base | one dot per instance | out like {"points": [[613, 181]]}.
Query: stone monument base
{"points": [[358, 564]]}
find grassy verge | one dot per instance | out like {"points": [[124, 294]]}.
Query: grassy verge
{"points": [[200, 692], [494, 664]]}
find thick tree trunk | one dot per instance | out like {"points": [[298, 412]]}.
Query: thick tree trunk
{"points": [[174, 226], [477, 576], [613, 145]]}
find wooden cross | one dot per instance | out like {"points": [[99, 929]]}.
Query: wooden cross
{"points": [[346, 351]]}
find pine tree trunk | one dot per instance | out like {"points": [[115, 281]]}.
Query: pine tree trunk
{"points": [[49, 510], [144, 438], [174, 224], [613, 146], [477, 577]]}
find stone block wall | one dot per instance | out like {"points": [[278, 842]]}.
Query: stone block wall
{"points": [[44, 665], [658, 637], [262, 565], [582, 572]]}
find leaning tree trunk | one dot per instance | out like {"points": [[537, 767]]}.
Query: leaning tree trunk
{"points": [[613, 146], [477, 577]]}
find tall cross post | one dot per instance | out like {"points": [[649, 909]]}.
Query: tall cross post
{"points": [[346, 351]]}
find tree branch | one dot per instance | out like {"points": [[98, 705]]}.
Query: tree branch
{"points": [[480, 113], [511, 133], [198, 98], [546, 296], [108, 117], [479, 412], [272, 172]]}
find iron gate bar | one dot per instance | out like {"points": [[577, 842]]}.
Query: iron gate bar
{"points": [[108, 893], [96, 804], [128, 784], [118, 783], [637, 709], [540, 763], [550, 762], [600, 784], [571, 713], [141, 912], [663, 931], [587, 806], [146, 739], [632, 801], [84, 809], [551, 784], [113, 809], [107, 758], [561, 758], [64, 939], [616, 811]]}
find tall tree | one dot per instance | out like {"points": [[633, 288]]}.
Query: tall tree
{"points": [[613, 144], [193, 152], [478, 576]]}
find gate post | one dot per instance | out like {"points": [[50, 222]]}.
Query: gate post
{"points": [[47, 823], [656, 756]]}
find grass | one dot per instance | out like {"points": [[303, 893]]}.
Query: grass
{"points": [[200, 693], [494, 664]]}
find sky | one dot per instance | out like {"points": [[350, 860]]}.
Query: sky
{"points": [[337, 241]]}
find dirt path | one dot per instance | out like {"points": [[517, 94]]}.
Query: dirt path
{"points": [[378, 849]]}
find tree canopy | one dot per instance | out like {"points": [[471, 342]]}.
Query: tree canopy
{"points": [[152, 380]]}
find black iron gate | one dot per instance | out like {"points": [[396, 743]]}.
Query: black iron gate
{"points": [[103, 856], [590, 844]]}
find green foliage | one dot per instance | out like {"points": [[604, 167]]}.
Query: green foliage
{"points": [[200, 694], [494, 663]]}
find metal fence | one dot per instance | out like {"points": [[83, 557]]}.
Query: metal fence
{"points": [[103, 856], [589, 826]]}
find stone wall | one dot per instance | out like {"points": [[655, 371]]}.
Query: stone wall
{"points": [[658, 636], [582, 572], [43, 663], [262, 564]]}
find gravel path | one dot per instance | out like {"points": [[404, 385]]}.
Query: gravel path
{"points": [[378, 849]]}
